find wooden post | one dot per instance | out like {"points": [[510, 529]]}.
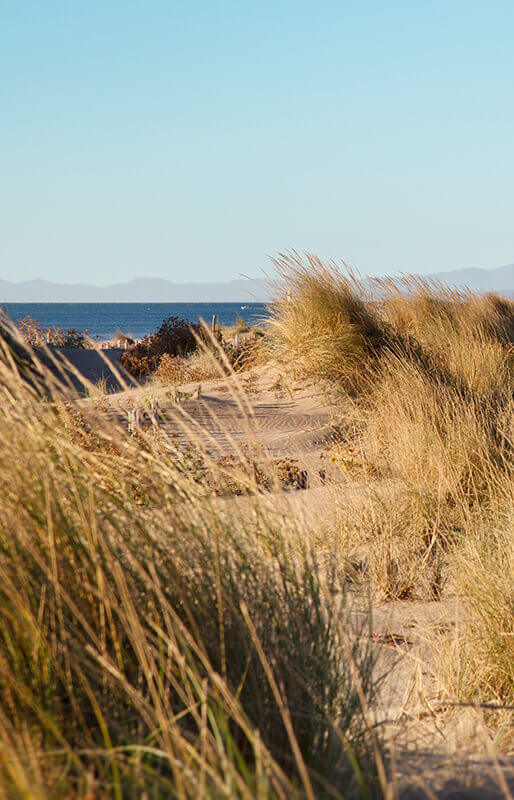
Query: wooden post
{"points": [[154, 412], [213, 324], [133, 420]]}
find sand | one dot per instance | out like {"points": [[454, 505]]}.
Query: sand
{"points": [[437, 747]]}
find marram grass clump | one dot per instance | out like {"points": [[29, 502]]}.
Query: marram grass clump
{"points": [[320, 322], [151, 644], [426, 379]]}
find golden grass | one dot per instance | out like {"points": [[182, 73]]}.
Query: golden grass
{"points": [[151, 643], [478, 666], [432, 413], [319, 323]]}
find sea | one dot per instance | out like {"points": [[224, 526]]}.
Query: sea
{"points": [[103, 320]]}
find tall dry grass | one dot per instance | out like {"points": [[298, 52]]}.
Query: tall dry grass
{"points": [[470, 335], [477, 663], [320, 323], [430, 371], [152, 644]]}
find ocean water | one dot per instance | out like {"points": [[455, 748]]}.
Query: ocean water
{"points": [[134, 319]]}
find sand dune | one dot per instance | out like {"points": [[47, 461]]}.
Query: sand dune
{"points": [[439, 744]]}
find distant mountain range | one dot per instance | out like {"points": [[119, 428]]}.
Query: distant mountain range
{"points": [[500, 280], [158, 290], [139, 290]]}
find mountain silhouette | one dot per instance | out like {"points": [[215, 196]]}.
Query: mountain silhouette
{"points": [[241, 290]]}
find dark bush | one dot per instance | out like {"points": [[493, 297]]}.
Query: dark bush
{"points": [[71, 337], [176, 337]]}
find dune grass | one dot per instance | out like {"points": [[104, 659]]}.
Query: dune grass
{"points": [[151, 644], [320, 322], [154, 641], [429, 372], [477, 664]]}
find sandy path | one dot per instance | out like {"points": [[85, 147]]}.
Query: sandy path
{"points": [[223, 421], [439, 749]]}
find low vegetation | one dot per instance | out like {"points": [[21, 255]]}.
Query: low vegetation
{"points": [[175, 337], [321, 323], [147, 646], [157, 640], [426, 381], [181, 351], [37, 335]]}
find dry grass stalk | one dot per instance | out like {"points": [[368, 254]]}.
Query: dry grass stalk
{"points": [[126, 664], [431, 374]]}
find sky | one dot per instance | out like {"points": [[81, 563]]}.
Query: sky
{"points": [[190, 140]]}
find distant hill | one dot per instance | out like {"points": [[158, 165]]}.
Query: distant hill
{"points": [[158, 290], [499, 280], [139, 290]]}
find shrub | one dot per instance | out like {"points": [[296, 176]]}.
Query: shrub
{"points": [[175, 337], [245, 354], [170, 370], [37, 336], [71, 337], [203, 365], [214, 358]]}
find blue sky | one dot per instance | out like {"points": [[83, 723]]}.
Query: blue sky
{"points": [[188, 140]]}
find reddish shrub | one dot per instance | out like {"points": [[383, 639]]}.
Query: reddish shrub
{"points": [[37, 336], [175, 337]]}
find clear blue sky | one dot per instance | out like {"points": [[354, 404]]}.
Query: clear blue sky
{"points": [[187, 140]]}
